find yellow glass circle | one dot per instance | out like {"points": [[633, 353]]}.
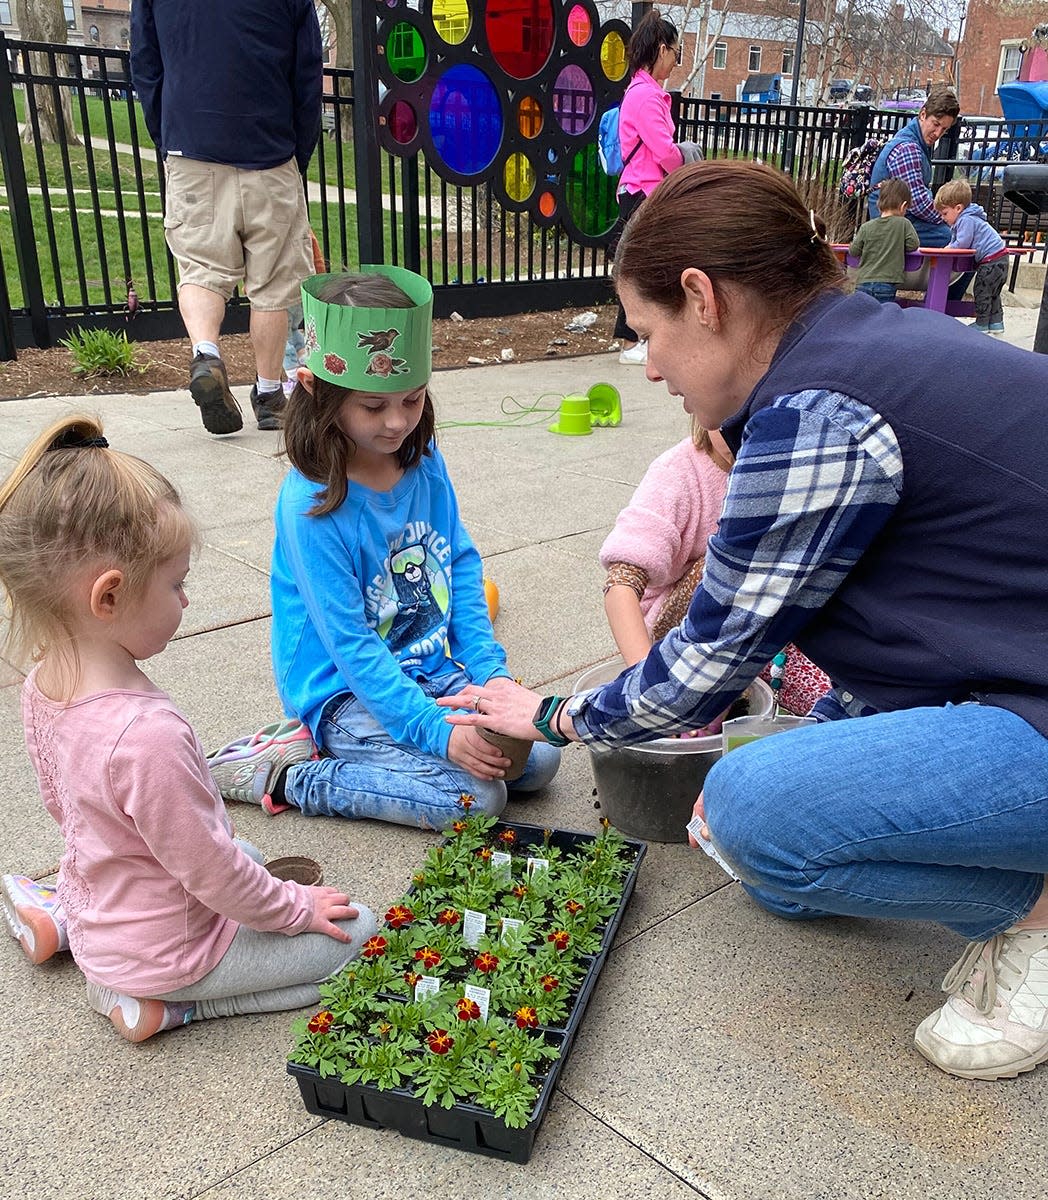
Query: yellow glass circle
{"points": [[529, 117], [613, 55], [451, 20], [519, 176]]}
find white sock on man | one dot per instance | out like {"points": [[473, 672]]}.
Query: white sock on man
{"points": [[265, 386], [208, 348]]}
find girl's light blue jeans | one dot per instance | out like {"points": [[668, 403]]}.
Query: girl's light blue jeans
{"points": [[368, 774], [931, 814]]}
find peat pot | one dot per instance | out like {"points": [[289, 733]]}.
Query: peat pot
{"points": [[648, 791]]}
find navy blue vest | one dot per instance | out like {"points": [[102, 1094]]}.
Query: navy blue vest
{"points": [[950, 602], [910, 132]]}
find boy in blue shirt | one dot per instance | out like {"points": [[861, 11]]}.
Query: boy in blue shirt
{"points": [[972, 231]]}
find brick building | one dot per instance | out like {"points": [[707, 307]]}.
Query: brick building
{"points": [[997, 48]]}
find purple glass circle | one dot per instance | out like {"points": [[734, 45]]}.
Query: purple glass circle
{"points": [[573, 101]]}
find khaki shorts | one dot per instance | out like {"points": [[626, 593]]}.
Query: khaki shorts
{"points": [[225, 226]]}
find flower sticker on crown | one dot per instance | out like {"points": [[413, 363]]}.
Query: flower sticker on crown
{"points": [[381, 364], [384, 366], [334, 364]]}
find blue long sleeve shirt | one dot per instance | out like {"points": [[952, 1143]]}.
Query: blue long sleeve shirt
{"points": [[370, 598], [238, 82]]}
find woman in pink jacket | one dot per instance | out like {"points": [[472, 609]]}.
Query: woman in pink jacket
{"points": [[646, 131]]}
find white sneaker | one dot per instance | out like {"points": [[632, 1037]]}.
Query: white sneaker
{"points": [[995, 1023], [636, 355]]}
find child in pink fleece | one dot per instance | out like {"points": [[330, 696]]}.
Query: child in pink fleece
{"points": [[655, 554], [168, 916]]}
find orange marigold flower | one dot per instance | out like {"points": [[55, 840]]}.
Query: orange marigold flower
{"points": [[449, 916], [573, 907], [399, 916], [459, 826], [320, 1022], [384, 1028], [507, 837], [411, 978], [467, 801], [484, 853], [520, 891], [428, 957], [526, 1017], [560, 939], [467, 1010], [549, 982], [440, 1041], [486, 962], [374, 947]]}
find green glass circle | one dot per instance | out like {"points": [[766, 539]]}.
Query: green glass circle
{"points": [[519, 177], [451, 20], [590, 193], [405, 52]]}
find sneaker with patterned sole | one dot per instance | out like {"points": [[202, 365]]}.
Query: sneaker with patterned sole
{"points": [[34, 915], [209, 387], [995, 1023], [245, 770]]}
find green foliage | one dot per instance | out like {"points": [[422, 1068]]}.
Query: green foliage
{"points": [[102, 352], [371, 1029]]}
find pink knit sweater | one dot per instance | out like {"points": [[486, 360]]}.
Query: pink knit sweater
{"points": [[667, 523], [151, 880]]}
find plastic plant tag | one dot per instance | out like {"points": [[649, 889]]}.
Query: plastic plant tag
{"points": [[428, 985], [473, 926], [501, 864], [481, 997], [537, 864], [508, 923], [706, 846], [740, 730]]}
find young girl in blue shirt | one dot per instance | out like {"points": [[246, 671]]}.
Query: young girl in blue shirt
{"points": [[378, 601]]}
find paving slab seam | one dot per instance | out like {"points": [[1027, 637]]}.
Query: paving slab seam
{"points": [[635, 1145], [261, 1158], [626, 939], [184, 637]]}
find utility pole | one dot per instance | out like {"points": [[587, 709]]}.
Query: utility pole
{"points": [[798, 54]]}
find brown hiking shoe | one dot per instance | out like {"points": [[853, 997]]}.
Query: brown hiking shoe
{"points": [[209, 387], [268, 408]]}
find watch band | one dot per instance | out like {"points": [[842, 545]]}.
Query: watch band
{"points": [[544, 714]]}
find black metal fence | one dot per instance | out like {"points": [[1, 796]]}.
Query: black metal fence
{"points": [[83, 218]]}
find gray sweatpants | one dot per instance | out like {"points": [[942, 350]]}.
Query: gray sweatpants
{"points": [[271, 972]]}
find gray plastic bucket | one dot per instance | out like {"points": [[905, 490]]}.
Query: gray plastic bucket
{"points": [[648, 791]]}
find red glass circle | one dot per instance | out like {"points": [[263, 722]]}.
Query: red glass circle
{"points": [[520, 34], [403, 124]]}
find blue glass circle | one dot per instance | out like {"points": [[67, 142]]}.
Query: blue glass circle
{"points": [[465, 119]]}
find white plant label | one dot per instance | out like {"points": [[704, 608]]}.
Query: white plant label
{"points": [[537, 864], [473, 926], [481, 997], [500, 864], [509, 923], [428, 985], [707, 847]]}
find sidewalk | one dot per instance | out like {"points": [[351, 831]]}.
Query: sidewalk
{"points": [[725, 1053]]}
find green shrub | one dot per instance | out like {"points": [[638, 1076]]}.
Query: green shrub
{"points": [[102, 352]]}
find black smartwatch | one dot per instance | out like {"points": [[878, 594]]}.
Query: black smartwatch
{"points": [[545, 713]]}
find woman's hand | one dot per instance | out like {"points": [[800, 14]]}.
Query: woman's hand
{"points": [[699, 811], [330, 905], [500, 705], [473, 753]]}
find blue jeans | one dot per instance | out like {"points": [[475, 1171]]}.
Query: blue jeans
{"points": [[883, 293], [930, 814], [368, 774]]}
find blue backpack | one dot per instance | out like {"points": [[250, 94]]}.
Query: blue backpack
{"points": [[609, 149]]}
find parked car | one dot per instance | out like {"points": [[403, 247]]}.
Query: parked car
{"points": [[840, 89], [862, 93], [905, 100]]}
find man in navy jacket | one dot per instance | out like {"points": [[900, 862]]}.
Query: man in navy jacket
{"points": [[231, 96]]}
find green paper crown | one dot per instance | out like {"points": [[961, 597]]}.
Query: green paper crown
{"points": [[371, 349]]}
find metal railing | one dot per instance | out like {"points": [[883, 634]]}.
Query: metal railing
{"points": [[84, 212]]}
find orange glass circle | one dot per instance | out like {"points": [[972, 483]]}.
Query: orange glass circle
{"points": [[547, 204], [529, 117]]}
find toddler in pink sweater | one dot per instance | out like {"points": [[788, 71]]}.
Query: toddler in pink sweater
{"points": [[655, 555], [169, 917]]}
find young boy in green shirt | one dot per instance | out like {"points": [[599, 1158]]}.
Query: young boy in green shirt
{"points": [[881, 245]]}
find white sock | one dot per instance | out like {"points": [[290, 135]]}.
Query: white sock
{"points": [[104, 1000], [208, 348], [262, 386]]}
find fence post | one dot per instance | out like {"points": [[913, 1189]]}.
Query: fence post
{"points": [[18, 203], [368, 166], [412, 218], [8, 353]]}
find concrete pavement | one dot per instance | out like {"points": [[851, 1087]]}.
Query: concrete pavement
{"points": [[725, 1054]]}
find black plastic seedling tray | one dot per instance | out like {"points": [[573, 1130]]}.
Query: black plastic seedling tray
{"points": [[468, 1126]]}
